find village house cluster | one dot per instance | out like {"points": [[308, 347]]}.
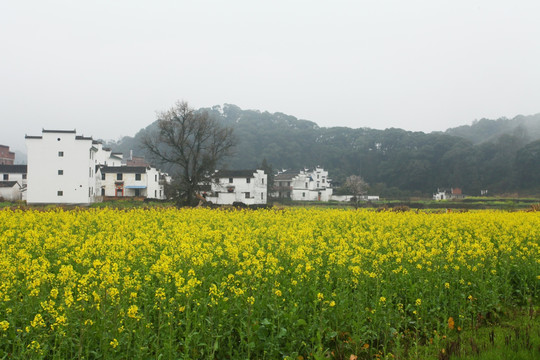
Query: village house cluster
{"points": [[66, 168]]}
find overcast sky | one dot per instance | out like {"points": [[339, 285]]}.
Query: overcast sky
{"points": [[106, 67]]}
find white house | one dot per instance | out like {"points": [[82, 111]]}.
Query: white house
{"points": [[132, 181], [448, 194], [245, 186], [61, 168], [10, 174], [306, 185]]}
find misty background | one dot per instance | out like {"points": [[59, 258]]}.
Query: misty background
{"points": [[105, 68]]}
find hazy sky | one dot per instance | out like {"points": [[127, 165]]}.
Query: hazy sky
{"points": [[106, 67]]}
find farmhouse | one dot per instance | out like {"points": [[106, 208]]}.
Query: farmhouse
{"points": [[131, 181], [243, 186], [448, 194], [306, 185]]}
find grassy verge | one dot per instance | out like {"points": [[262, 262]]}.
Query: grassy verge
{"points": [[514, 336]]}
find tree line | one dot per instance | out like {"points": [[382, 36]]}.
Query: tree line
{"points": [[502, 159]]}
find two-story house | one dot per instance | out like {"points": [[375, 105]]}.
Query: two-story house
{"points": [[304, 185], [242, 186], [132, 181]]}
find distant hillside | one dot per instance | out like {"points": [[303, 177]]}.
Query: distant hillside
{"points": [[488, 130], [394, 161]]}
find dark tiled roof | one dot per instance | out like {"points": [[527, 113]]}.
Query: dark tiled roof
{"points": [[58, 131], [8, 184], [79, 137], [235, 174], [14, 169], [123, 169], [288, 175], [33, 137]]}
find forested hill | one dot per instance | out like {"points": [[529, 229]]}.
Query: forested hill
{"points": [[393, 161]]}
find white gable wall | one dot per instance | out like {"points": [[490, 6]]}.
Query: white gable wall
{"points": [[44, 162]]}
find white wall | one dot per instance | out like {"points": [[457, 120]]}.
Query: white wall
{"points": [[44, 161]]}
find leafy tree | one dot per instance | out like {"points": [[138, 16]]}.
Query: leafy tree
{"points": [[193, 144]]}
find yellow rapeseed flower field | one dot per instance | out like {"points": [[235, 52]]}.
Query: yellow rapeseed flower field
{"points": [[197, 283]]}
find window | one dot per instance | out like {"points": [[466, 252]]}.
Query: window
{"points": [[248, 180], [230, 180], [102, 191], [138, 177], [137, 192], [155, 178], [306, 185], [262, 196], [6, 177], [89, 172], [317, 176], [318, 184], [60, 154], [24, 176], [119, 177], [60, 172], [155, 193], [247, 195], [303, 194], [323, 180], [60, 193], [262, 181], [103, 176]]}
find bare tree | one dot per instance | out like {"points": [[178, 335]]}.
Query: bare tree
{"points": [[357, 186], [191, 142]]}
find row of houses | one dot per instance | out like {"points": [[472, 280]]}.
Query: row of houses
{"points": [[67, 168]]}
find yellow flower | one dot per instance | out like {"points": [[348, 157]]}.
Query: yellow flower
{"points": [[418, 302], [382, 299], [132, 312], [320, 296], [114, 343], [4, 325]]}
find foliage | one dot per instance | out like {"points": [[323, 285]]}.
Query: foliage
{"points": [[312, 284], [193, 144], [396, 162]]}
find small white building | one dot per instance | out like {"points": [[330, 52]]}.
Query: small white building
{"points": [[131, 181], [303, 185], [243, 186], [10, 191], [10, 174], [61, 168], [448, 194]]}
